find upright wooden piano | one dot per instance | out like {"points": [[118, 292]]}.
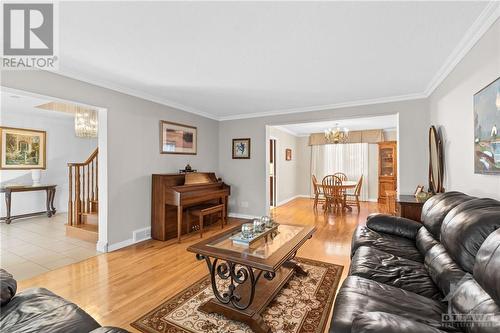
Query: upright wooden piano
{"points": [[172, 193]]}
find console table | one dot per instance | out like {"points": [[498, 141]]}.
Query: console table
{"points": [[49, 202]]}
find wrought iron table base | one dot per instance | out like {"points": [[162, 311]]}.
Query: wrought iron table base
{"points": [[238, 302]]}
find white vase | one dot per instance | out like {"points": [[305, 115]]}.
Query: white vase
{"points": [[36, 174]]}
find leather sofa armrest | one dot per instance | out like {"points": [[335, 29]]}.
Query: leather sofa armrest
{"points": [[8, 287], [109, 329], [382, 322], [393, 225]]}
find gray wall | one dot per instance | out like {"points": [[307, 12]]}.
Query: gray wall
{"points": [[133, 144], [303, 154], [248, 177], [451, 108], [286, 171]]}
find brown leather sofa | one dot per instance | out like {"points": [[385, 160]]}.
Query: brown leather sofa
{"points": [[39, 310], [439, 276]]}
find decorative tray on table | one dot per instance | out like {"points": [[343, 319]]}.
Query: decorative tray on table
{"points": [[239, 239]]}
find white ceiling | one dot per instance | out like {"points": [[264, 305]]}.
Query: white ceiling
{"points": [[26, 103], [236, 59], [389, 122]]}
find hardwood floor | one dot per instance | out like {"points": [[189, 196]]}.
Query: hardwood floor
{"points": [[118, 287]]}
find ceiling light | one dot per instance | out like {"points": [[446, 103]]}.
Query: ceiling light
{"points": [[337, 135], [85, 123]]}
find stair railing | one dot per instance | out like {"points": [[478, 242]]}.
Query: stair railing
{"points": [[84, 195]]}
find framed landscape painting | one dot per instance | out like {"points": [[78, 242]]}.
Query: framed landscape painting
{"points": [[22, 149], [177, 138], [486, 129], [241, 148]]}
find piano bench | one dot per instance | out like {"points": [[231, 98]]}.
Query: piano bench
{"points": [[204, 210]]}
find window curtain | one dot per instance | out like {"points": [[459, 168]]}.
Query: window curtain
{"points": [[351, 159]]}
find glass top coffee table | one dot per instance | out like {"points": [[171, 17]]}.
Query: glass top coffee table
{"points": [[253, 273]]}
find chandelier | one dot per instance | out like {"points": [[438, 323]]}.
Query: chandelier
{"points": [[337, 134], [85, 123]]}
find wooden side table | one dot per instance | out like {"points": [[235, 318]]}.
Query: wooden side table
{"points": [[410, 207], [49, 202]]}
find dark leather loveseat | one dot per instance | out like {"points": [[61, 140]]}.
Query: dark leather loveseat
{"points": [[441, 275], [39, 310]]}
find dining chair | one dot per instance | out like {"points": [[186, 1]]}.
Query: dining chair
{"points": [[341, 175], [390, 202], [333, 192], [353, 198], [318, 192]]}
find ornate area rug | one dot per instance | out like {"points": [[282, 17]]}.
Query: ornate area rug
{"points": [[303, 305]]}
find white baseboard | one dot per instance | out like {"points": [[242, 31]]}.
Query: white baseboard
{"points": [[120, 245], [139, 235], [292, 198], [102, 246]]}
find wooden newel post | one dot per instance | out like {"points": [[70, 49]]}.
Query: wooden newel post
{"points": [[70, 195], [78, 202]]}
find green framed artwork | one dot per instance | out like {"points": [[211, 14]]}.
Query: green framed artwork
{"points": [[22, 148], [486, 129]]}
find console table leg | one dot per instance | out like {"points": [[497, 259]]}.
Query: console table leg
{"points": [[7, 205], [53, 191], [47, 202]]}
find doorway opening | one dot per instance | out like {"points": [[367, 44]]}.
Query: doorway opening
{"points": [[272, 173], [57, 209]]}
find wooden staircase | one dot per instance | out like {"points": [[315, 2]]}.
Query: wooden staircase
{"points": [[83, 203]]}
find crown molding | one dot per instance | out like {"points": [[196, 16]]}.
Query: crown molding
{"points": [[381, 100], [133, 92], [482, 24]]}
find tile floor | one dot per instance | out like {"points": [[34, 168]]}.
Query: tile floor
{"points": [[29, 247]]}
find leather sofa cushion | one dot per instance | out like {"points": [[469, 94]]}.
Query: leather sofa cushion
{"points": [[468, 298], [437, 207], [398, 246], [8, 287], [382, 322], [39, 310], [425, 241], [394, 225], [487, 266], [359, 295], [399, 272], [466, 227], [442, 269]]}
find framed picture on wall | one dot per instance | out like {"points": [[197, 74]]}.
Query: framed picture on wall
{"points": [[486, 129], [288, 154], [177, 138], [241, 148], [22, 148]]}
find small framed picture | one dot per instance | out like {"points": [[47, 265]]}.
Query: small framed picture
{"points": [[177, 138], [241, 148], [22, 148], [288, 154], [419, 189]]}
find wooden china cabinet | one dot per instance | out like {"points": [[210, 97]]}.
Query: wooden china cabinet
{"points": [[387, 169]]}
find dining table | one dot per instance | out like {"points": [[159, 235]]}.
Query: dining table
{"points": [[346, 184]]}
